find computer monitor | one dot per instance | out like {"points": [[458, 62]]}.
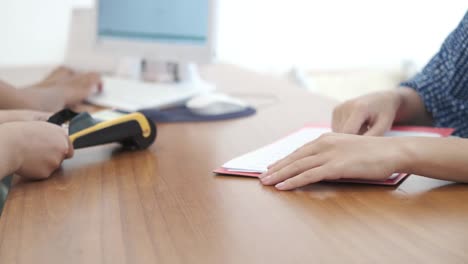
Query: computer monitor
{"points": [[181, 32], [166, 30]]}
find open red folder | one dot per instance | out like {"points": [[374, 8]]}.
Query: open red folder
{"points": [[254, 163]]}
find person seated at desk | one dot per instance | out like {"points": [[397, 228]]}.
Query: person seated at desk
{"points": [[436, 96], [62, 88]]}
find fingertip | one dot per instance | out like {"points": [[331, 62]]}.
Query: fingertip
{"points": [[283, 186], [268, 180]]}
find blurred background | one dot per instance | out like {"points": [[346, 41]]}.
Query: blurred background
{"points": [[338, 48]]}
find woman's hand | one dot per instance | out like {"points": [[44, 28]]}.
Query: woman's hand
{"points": [[371, 114], [375, 113], [336, 156]]}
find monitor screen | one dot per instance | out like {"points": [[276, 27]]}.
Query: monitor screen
{"points": [[171, 21]]}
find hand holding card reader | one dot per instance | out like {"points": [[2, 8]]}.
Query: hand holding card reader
{"points": [[134, 131]]}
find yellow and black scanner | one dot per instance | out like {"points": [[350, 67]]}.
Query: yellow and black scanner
{"points": [[133, 130]]}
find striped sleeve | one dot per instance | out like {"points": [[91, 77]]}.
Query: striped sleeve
{"points": [[443, 83]]}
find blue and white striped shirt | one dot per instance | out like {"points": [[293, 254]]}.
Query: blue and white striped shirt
{"points": [[443, 83]]}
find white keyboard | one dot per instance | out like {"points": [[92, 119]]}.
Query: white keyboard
{"points": [[130, 95]]}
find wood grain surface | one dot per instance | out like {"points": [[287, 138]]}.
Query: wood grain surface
{"points": [[165, 205]]}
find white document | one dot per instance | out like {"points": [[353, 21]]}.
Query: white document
{"points": [[258, 160]]}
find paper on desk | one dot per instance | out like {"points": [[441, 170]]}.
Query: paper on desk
{"points": [[256, 162]]}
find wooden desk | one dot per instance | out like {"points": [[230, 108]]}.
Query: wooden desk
{"points": [[165, 206]]}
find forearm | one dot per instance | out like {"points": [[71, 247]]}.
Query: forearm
{"points": [[10, 159], [440, 158], [12, 115], [412, 110], [13, 98]]}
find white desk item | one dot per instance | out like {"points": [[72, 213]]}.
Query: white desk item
{"points": [[130, 95]]}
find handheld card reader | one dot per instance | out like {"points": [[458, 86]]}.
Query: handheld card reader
{"points": [[133, 130]]}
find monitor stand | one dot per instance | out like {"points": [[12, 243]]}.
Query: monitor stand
{"points": [[127, 91], [188, 73]]}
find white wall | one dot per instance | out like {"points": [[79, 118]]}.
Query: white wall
{"points": [[264, 34], [33, 32], [334, 33]]}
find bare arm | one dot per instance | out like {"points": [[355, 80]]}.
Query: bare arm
{"points": [[59, 90], [13, 98], [440, 158]]}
